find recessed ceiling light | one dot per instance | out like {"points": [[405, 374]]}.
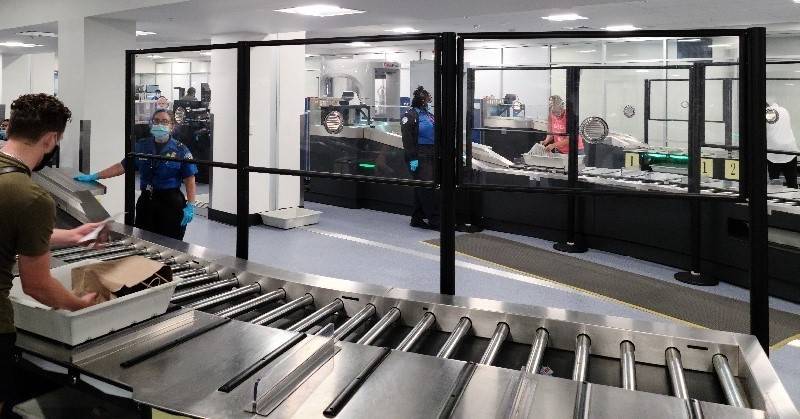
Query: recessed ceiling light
{"points": [[206, 53], [359, 44], [587, 51], [403, 29], [154, 57], [641, 70], [15, 44], [720, 46], [144, 33], [563, 18], [621, 28], [38, 34], [790, 84], [320, 10], [690, 40], [622, 55], [675, 75]]}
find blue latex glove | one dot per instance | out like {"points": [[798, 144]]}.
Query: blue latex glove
{"points": [[91, 177], [413, 165], [188, 214]]}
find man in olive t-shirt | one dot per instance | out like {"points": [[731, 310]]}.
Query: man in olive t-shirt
{"points": [[27, 215]]}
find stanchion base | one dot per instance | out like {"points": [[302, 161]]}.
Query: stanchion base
{"points": [[469, 228], [696, 278], [569, 247]]}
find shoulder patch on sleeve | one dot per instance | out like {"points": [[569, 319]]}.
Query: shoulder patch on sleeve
{"points": [[404, 120]]}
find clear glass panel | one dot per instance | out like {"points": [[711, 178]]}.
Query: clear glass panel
{"points": [[783, 127]]}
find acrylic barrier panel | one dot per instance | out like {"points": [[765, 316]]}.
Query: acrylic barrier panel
{"points": [[719, 166], [783, 129], [342, 108], [515, 125], [176, 87]]}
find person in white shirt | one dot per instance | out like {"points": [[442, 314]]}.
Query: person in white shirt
{"points": [[781, 138]]}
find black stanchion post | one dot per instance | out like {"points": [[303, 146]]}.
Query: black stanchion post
{"points": [[752, 94], [447, 161], [243, 149], [572, 243], [697, 130], [130, 171]]}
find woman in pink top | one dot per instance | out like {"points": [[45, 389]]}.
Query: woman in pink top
{"points": [[557, 122]]}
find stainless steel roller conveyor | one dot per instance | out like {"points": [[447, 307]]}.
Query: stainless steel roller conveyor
{"points": [[245, 340]]}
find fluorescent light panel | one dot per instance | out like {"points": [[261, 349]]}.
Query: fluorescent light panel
{"points": [[621, 28], [403, 29], [564, 17], [15, 44], [359, 44], [38, 34], [320, 10], [144, 33]]}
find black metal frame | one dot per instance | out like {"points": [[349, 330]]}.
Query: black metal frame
{"points": [[449, 97]]}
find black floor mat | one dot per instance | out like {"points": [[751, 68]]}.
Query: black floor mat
{"points": [[673, 300]]}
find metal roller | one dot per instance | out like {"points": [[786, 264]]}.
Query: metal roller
{"points": [[537, 351], [582, 347], [177, 267], [676, 378], [197, 279], [498, 337], [191, 272], [317, 316], [283, 310], [455, 339], [225, 296], [78, 249], [417, 332], [248, 305], [730, 386], [115, 256], [380, 327], [193, 292], [628, 365], [97, 253], [353, 322]]}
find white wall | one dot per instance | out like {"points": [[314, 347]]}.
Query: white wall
{"points": [[27, 73]]}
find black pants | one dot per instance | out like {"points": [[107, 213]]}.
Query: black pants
{"points": [[426, 203], [8, 373], [161, 212], [789, 170], [19, 381]]}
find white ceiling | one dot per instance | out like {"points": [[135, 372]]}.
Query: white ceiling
{"points": [[196, 21]]}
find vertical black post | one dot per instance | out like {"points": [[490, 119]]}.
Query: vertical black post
{"points": [[697, 134], [727, 109], [447, 121], [571, 245], [647, 88], [752, 95], [243, 149], [130, 175]]}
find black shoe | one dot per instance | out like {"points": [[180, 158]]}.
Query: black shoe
{"points": [[419, 223]]}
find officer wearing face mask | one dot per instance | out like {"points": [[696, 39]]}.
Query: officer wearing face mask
{"points": [[417, 127], [162, 207]]}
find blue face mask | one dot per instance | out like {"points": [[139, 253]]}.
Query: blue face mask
{"points": [[429, 108], [160, 132]]}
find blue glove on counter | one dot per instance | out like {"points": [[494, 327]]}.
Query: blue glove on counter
{"points": [[87, 177], [188, 214], [413, 165]]}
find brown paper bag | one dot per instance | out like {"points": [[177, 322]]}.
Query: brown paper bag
{"points": [[119, 277]]}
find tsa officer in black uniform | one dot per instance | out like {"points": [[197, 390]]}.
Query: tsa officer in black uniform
{"points": [[417, 127], [162, 207]]}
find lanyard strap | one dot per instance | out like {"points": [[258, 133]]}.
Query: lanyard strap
{"points": [[12, 169]]}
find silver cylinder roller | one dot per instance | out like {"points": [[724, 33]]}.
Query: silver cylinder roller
{"points": [[730, 386], [380, 327], [676, 378], [537, 351], [354, 322], [317, 316], [248, 305], [115, 256], [194, 292], [582, 347], [225, 296], [283, 310], [455, 338], [196, 279], [495, 344], [79, 249], [191, 272], [97, 253], [419, 330], [178, 267], [627, 362]]}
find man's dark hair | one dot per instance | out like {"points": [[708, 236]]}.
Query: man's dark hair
{"points": [[420, 95], [34, 115], [191, 91]]}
